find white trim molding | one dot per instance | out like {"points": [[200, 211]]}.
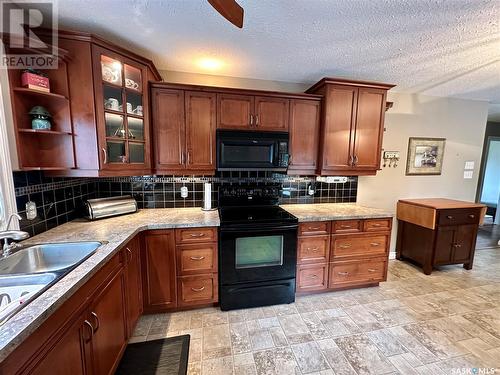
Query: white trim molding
{"points": [[6, 179]]}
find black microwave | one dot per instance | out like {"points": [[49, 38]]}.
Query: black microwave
{"points": [[252, 151]]}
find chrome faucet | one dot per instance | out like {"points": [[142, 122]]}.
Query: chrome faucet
{"points": [[15, 235]]}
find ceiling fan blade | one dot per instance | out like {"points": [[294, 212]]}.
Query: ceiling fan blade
{"points": [[230, 10]]}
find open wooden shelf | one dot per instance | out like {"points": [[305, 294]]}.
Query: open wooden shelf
{"points": [[46, 132], [27, 91]]}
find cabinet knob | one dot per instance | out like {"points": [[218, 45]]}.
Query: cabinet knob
{"points": [[198, 289], [472, 216], [457, 245]]}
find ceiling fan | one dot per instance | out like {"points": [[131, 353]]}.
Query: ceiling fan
{"points": [[230, 10]]}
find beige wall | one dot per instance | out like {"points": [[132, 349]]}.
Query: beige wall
{"points": [[233, 82], [461, 122]]}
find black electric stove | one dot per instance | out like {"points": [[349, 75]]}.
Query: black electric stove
{"points": [[257, 248]]}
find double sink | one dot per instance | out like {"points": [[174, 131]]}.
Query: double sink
{"points": [[31, 270]]}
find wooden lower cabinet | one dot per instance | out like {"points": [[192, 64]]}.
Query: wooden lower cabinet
{"points": [[312, 277], [159, 276], [133, 280], [179, 268], [109, 337], [353, 253], [197, 290], [67, 356]]}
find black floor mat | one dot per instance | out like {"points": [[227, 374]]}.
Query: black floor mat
{"points": [[167, 356]]}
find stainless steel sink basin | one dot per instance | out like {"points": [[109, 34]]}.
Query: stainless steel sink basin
{"points": [[16, 291], [47, 257]]}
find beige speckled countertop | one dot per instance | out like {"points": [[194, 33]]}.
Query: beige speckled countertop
{"points": [[333, 211], [116, 231]]}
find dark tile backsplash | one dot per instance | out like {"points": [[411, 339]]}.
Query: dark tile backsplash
{"points": [[59, 200]]}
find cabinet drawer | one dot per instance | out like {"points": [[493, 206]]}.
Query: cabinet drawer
{"points": [[314, 228], [463, 216], [312, 277], [346, 226], [313, 249], [361, 245], [196, 259], [190, 235], [359, 271], [372, 225], [195, 290]]}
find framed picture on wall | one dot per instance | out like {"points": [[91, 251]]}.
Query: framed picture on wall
{"points": [[425, 156]]}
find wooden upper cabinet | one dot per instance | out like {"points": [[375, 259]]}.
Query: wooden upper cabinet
{"points": [[304, 136], [271, 113], [369, 128], [168, 129], [159, 278], [352, 126], [337, 137], [235, 111], [122, 111], [200, 130]]}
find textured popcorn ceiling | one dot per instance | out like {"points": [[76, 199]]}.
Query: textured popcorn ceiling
{"points": [[435, 47]]}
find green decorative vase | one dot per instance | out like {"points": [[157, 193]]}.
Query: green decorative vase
{"points": [[40, 118]]}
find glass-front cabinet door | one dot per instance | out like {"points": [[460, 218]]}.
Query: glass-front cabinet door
{"points": [[122, 111]]}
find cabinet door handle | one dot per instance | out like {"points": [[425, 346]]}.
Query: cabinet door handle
{"points": [[449, 217], [314, 228], [343, 273], [105, 153], [377, 224], [352, 160], [457, 245], [188, 158], [197, 258], [197, 235], [91, 332], [198, 289], [355, 159], [129, 254], [372, 270], [97, 323], [374, 244], [345, 226], [290, 158], [256, 120], [346, 246], [182, 157], [472, 216], [312, 248], [251, 121], [313, 276]]}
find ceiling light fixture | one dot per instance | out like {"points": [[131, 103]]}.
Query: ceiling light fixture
{"points": [[210, 63]]}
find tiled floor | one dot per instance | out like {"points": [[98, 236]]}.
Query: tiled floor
{"points": [[411, 324]]}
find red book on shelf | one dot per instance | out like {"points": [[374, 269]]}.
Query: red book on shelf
{"points": [[35, 82]]}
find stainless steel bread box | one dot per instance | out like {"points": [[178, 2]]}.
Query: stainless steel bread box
{"points": [[106, 207]]}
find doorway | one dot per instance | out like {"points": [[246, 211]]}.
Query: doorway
{"points": [[489, 192]]}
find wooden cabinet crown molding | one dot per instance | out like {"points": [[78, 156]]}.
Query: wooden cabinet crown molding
{"points": [[230, 90], [348, 82]]}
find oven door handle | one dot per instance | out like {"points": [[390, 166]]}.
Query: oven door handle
{"points": [[258, 228], [259, 287]]}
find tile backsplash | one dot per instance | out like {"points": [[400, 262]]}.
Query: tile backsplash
{"points": [[59, 200]]}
